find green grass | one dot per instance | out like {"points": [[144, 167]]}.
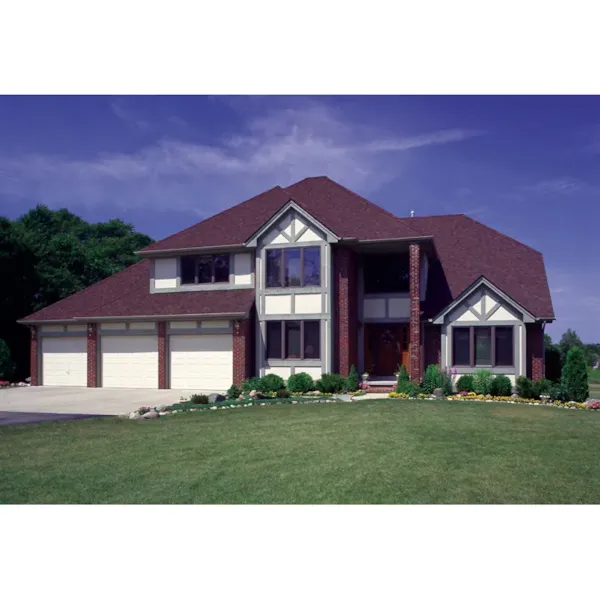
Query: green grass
{"points": [[373, 451], [594, 382]]}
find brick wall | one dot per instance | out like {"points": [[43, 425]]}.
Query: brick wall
{"points": [[33, 356], [432, 345], [92, 355], [346, 310], [242, 350], [415, 312], [162, 355], [535, 350]]}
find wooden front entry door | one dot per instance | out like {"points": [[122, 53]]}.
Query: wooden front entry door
{"points": [[386, 348]]}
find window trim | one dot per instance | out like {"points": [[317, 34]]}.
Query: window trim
{"points": [[283, 328], [282, 268], [197, 259], [493, 364]]}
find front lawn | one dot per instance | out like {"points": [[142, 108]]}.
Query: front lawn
{"points": [[372, 451]]}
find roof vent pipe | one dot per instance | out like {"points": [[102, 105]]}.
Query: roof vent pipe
{"points": [[412, 213]]}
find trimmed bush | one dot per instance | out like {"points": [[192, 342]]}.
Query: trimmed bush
{"points": [[465, 383], [300, 383], [574, 375], [482, 382], [331, 383], [541, 387], [410, 388], [251, 384], [283, 393], [199, 399], [403, 374], [445, 381], [7, 366], [501, 386], [431, 378], [558, 392], [233, 393], [524, 387], [271, 383], [352, 381]]}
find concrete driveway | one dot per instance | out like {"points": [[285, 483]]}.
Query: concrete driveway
{"points": [[79, 402]]}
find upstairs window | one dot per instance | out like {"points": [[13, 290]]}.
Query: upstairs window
{"points": [[386, 273], [207, 268], [293, 267]]}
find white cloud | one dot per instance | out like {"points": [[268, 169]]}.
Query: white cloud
{"points": [[276, 148]]}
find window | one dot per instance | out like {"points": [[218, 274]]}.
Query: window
{"points": [[386, 273], [482, 346], [299, 340], [293, 267], [207, 268]]}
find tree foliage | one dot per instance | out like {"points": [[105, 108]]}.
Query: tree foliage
{"points": [[574, 376], [568, 340], [47, 255]]}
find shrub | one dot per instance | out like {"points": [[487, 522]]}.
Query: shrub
{"points": [[403, 374], [445, 381], [465, 384], [574, 375], [558, 392], [501, 386], [7, 367], [541, 387], [410, 388], [271, 383], [352, 381], [300, 383], [199, 399], [482, 382], [331, 383], [283, 393], [233, 393], [251, 384], [431, 378], [525, 387]]}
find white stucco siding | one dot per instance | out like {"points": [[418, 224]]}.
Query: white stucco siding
{"points": [[503, 314], [399, 308], [283, 372], [113, 326], [142, 326], [165, 273], [242, 269], [214, 324], [278, 304], [310, 235], [305, 304], [374, 308], [314, 372]]}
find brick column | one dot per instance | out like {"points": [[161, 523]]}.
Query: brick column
{"points": [[535, 350], [92, 355], [415, 312], [241, 350], [162, 355], [346, 305], [33, 356]]}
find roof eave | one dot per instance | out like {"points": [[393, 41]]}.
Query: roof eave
{"points": [[188, 250]]}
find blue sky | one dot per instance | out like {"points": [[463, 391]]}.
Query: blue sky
{"points": [[527, 166]]}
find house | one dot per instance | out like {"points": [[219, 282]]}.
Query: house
{"points": [[309, 278]]}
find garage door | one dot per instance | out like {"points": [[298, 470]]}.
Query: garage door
{"points": [[64, 361], [129, 361], [201, 362]]}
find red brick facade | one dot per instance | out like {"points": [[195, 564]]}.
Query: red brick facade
{"points": [[33, 356], [346, 310], [242, 350], [92, 355], [415, 312], [535, 350], [432, 344], [162, 356]]}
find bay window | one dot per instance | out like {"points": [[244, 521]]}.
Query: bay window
{"points": [[299, 340], [293, 267], [483, 346]]}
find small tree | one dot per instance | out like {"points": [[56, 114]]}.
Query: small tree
{"points": [[7, 367], [431, 378], [569, 340], [352, 381], [574, 376]]}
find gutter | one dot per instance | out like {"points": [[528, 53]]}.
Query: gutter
{"points": [[180, 251], [205, 316]]}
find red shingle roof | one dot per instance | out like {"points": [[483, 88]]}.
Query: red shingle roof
{"points": [[127, 294], [466, 249]]}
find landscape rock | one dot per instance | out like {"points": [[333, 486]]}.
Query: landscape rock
{"points": [[212, 398], [160, 408], [514, 395], [135, 415], [241, 397], [342, 397], [438, 393], [150, 415], [27, 379], [163, 413], [253, 394]]}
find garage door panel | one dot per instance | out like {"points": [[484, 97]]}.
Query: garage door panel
{"points": [[129, 361], [203, 362], [64, 361]]}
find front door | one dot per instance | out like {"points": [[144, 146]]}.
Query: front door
{"points": [[385, 347]]}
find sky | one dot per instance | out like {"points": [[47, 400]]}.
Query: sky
{"points": [[526, 165]]}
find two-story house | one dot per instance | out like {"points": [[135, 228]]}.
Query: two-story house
{"points": [[309, 278]]}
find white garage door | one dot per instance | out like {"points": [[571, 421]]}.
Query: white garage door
{"points": [[201, 362], [64, 361], [129, 361]]}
